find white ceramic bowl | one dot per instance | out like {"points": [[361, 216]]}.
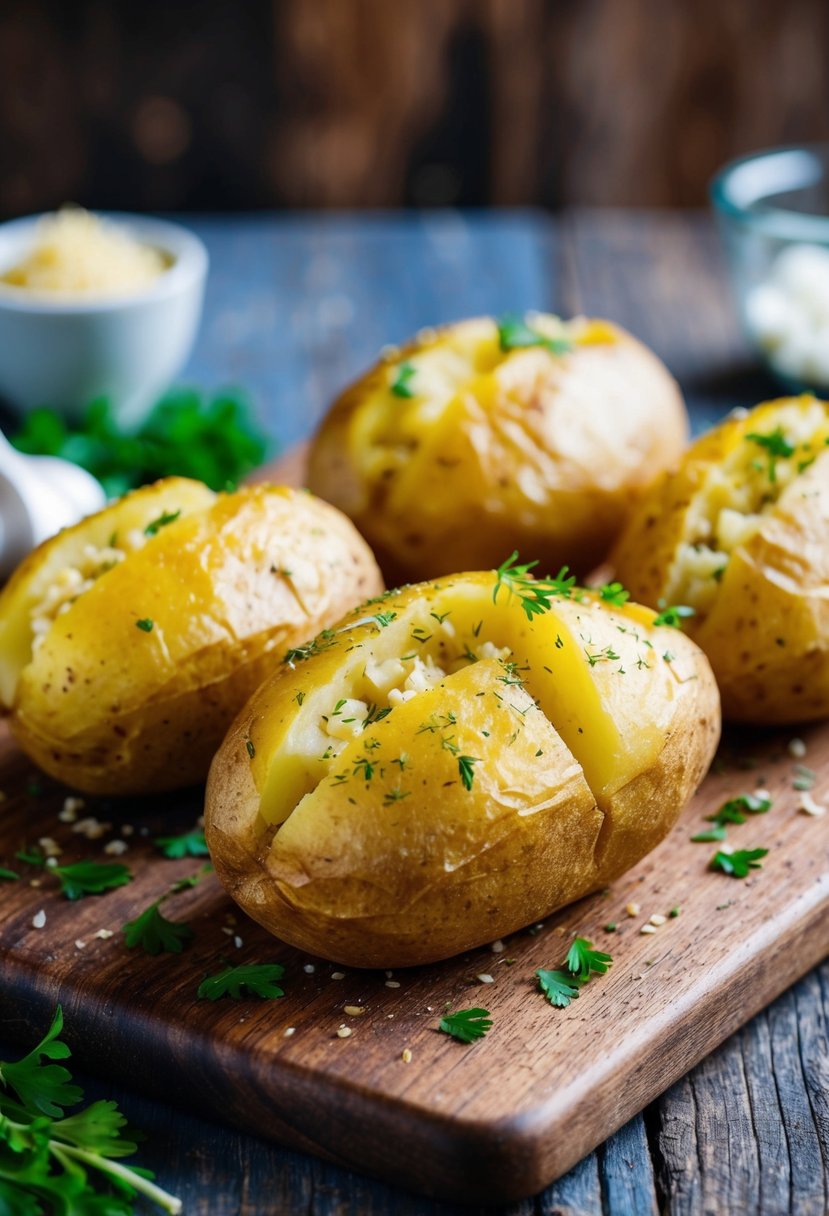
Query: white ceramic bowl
{"points": [[67, 351]]}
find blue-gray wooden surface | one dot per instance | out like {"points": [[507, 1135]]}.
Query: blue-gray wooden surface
{"points": [[295, 307]]}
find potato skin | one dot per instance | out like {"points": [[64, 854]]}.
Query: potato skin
{"points": [[538, 452], [410, 866], [112, 708], [767, 632]]}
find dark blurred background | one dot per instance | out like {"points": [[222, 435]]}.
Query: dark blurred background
{"points": [[211, 105]]}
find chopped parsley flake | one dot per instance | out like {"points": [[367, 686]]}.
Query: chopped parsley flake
{"points": [[777, 446], [165, 518], [673, 615], [403, 378], [145, 624], [614, 593], [515, 334], [740, 863]]}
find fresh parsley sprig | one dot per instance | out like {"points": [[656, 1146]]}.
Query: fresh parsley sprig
{"points": [[515, 334], [50, 1158], [257, 979], [561, 986], [466, 1025], [165, 518], [536, 594]]}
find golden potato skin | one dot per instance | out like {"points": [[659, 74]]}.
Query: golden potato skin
{"points": [[109, 707], [767, 632], [535, 451], [409, 866]]}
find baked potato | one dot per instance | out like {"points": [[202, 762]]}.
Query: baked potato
{"points": [[129, 642], [482, 437], [454, 761], [740, 535]]}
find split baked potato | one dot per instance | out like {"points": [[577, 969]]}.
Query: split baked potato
{"points": [[740, 534], [454, 761], [485, 436], [129, 642]]}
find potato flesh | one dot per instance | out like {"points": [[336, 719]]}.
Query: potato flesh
{"points": [[48, 583], [586, 671], [738, 496]]}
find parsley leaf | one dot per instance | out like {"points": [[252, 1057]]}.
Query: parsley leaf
{"points": [[259, 979], [740, 863], [384, 618], [674, 615], [466, 1025], [535, 594], [91, 877], [165, 518], [48, 1154], [400, 384], [614, 593], [515, 334], [155, 934], [145, 624], [560, 987], [43, 1089], [466, 770], [8, 875], [582, 959], [190, 844]]}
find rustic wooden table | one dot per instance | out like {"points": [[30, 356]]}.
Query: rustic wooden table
{"points": [[295, 307]]}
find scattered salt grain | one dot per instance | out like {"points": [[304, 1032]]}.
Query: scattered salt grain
{"points": [[658, 919], [392, 984], [354, 1011], [237, 941], [309, 968], [406, 1055], [288, 1031], [632, 909], [797, 748], [103, 934], [344, 1032], [227, 929], [484, 979], [498, 947], [116, 848], [338, 975], [79, 944], [49, 846], [39, 919], [648, 929]]}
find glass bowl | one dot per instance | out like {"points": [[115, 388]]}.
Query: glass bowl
{"points": [[773, 213]]}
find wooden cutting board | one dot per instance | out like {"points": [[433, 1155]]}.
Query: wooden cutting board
{"points": [[492, 1121], [495, 1120]]}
